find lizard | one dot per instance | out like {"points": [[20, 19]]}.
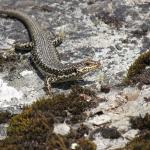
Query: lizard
{"points": [[44, 53]]}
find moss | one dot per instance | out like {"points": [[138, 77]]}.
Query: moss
{"points": [[137, 67], [71, 106], [86, 145], [82, 131], [57, 142], [140, 123], [33, 128], [139, 143], [4, 117], [142, 142]]}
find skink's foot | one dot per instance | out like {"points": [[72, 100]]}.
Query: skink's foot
{"points": [[49, 87]]}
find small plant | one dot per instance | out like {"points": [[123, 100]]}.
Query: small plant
{"points": [[5, 116], [137, 67], [140, 123], [33, 128], [142, 142]]}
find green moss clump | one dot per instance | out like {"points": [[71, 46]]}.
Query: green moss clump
{"points": [[4, 117], [137, 67], [33, 128]]}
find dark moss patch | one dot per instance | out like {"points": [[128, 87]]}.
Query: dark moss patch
{"points": [[143, 78], [139, 143], [71, 107], [5, 116], [142, 142], [86, 145], [81, 131], [140, 122], [33, 128], [138, 70]]}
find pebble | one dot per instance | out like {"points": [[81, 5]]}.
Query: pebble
{"points": [[62, 129], [131, 93]]}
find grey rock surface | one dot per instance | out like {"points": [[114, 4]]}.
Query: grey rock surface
{"points": [[112, 32]]}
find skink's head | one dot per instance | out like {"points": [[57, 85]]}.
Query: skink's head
{"points": [[87, 66], [76, 70]]}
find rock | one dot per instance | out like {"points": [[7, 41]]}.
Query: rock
{"points": [[74, 146], [111, 133], [3, 131], [92, 29], [112, 48], [118, 46], [98, 120], [62, 129], [130, 134], [131, 93]]}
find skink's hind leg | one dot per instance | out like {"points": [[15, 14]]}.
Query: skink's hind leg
{"points": [[23, 46]]}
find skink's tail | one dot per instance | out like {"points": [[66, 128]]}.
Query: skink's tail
{"points": [[30, 24]]}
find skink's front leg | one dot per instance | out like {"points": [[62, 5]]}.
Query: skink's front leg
{"points": [[48, 84], [24, 46]]}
